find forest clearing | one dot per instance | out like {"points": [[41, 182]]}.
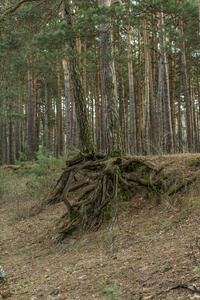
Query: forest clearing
{"points": [[152, 245]]}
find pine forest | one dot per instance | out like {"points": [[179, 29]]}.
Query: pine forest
{"points": [[99, 76], [99, 149]]}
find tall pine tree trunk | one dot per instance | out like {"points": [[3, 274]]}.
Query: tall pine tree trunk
{"points": [[103, 117], [78, 90], [180, 138], [139, 135], [146, 140], [132, 144], [10, 139], [185, 90], [46, 127], [1, 133], [59, 116], [114, 136], [67, 104], [17, 140], [31, 119], [122, 117], [168, 134]]}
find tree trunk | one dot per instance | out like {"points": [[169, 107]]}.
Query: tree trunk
{"points": [[122, 118], [31, 119], [97, 103], [199, 18], [1, 133], [10, 139], [185, 89], [168, 134], [67, 104], [180, 140], [59, 116], [103, 117], [146, 126], [114, 136], [78, 91], [17, 143], [159, 112], [46, 127], [1, 142], [198, 87], [131, 93], [139, 135]]}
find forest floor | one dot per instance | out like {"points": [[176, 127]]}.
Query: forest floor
{"points": [[151, 247]]}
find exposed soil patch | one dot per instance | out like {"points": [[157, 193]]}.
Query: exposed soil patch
{"points": [[150, 248]]}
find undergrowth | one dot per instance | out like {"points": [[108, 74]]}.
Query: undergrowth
{"points": [[41, 173], [32, 180]]}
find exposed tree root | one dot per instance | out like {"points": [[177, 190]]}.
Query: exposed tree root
{"points": [[97, 184]]}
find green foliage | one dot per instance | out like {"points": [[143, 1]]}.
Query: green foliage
{"points": [[107, 214], [3, 182], [122, 194], [111, 292], [198, 269], [40, 172], [148, 195]]}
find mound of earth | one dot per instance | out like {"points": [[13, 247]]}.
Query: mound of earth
{"points": [[150, 250]]}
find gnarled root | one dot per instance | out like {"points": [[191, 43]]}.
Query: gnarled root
{"points": [[98, 183]]}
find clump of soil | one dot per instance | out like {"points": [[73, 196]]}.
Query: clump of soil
{"points": [[150, 246]]}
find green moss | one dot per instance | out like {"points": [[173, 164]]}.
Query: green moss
{"points": [[182, 187], [193, 203], [145, 182], [165, 176], [146, 170], [33, 208], [108, 171], [148, 195], [196, 161], [122, 195], [116, 153], [93, 246], [107, 213], [62, 219], [75, 215], [159, 184], [183, 212], [72, 160]]}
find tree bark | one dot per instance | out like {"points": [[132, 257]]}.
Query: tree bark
{"points": [[31, 119], [168, 134], [131, 93], [139, 135], [59, 116], [185, 89], [10, 139], [146, 140], [180, 141], [78, 91], [114, 135], [46, 127], [67, 104]]}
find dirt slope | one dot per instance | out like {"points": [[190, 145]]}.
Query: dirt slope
{"points": [[149, 249]]}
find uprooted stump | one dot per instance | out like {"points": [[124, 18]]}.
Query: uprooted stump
{"points": [[98, 182]]}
